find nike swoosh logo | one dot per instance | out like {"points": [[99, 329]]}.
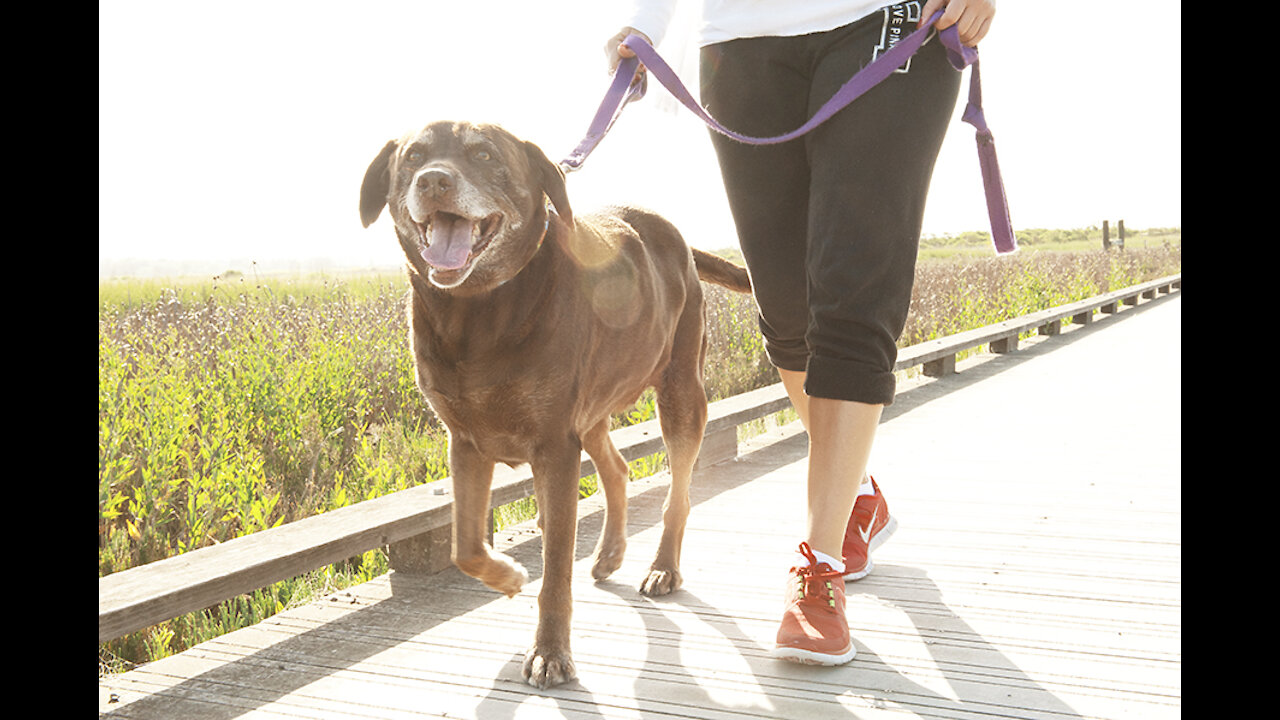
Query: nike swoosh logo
{"points": [[866, 534]]}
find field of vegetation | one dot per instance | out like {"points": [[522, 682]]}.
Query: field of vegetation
{"points": [[234, 404]]}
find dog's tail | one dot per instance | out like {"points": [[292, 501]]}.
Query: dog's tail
{"points": [[717, 270]]}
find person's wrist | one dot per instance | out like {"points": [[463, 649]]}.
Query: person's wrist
{"points": [[627, 32]]}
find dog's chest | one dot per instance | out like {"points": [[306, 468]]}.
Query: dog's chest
{"points": [[503, 421]]}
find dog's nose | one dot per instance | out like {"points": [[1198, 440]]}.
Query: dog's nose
{"points": [[435, 181]]}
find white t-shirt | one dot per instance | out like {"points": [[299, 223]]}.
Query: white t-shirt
{"points": [[730, 19]]}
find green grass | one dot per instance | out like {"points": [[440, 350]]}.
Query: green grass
{"points": [[231, 405]]}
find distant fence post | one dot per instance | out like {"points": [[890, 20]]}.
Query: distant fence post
{"points": [[1106, 235]]}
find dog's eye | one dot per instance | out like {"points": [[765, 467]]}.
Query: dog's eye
{"points": [[482, 155], [415, 155]]}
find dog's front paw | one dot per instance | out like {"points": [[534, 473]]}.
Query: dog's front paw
{"points": [[506, 575], [661, 582], [608, 558], [495, 570], [546, 667]]}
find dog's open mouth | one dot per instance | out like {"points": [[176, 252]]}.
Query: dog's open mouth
{"points": [[450, 243]]}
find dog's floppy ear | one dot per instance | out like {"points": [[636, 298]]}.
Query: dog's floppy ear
{"points": [[377, 183], [552, 179]]}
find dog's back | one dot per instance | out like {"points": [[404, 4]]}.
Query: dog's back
{"points": [[710, 268]]}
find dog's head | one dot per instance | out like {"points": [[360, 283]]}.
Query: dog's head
{"points": [[468, 202]]}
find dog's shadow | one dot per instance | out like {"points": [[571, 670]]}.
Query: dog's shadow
{"points": [[985, 683], [644, 513]]}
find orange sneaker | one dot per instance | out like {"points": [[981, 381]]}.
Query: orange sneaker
{"points": [[814, 630], [870, 526]]}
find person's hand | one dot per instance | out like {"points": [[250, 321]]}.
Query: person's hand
{"points": [[614, 50], [972, 18]]}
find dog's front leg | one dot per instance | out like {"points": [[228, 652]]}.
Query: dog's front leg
{"points": [[472, 478], [555, 480]]}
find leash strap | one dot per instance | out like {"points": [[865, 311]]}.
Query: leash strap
{"points": [[629, 84]]}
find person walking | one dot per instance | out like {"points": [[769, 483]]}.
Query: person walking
{"points": [[829, 226]]}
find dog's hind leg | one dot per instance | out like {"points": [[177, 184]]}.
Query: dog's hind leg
{"points": [[613, 473], [682, 413], [472, 479]]}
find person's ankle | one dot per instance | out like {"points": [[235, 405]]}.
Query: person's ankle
{"points": [[835, 563], [866, 488]]}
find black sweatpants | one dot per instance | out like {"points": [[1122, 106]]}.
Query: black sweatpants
{"points": [[829, 223]]}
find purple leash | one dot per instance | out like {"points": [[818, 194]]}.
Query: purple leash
{"points": [[627, 87]]}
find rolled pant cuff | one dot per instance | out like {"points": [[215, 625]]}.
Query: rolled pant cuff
{"points": [[783, 360], [848, 380]]}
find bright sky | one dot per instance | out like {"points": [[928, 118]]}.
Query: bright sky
{"points": [[241, 130]]}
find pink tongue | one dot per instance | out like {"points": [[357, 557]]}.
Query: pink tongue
{"points": [[449, 244]]}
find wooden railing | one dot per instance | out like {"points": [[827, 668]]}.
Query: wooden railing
{"points": [[414, 524]]}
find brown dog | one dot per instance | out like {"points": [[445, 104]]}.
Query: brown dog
{"points": [[529, 328]]}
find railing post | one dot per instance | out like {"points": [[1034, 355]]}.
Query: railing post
{"points": [[1005, 344], [429, 552], [942, 366], [718, 446], [422, 554]]}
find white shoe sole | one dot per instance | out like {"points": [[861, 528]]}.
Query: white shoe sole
{"points": [[808, 657], [879, 539]]}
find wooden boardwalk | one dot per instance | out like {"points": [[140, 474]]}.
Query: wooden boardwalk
{"points": [[1036, 574]]}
